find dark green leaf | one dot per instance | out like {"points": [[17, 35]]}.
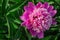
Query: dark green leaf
{"points": [[14, 25], [15, 7]]}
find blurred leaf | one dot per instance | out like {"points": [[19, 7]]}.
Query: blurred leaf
{"points": [[18, 34], [28, 35], [54, 29], [15, 0], [58, 1], [0, 2], [39, 0], [46, 38], [51, 2], [15, 7], [17, 21], [56, 37], [4, 6], [14, 25]]}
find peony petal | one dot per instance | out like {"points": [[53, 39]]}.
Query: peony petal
{"points": [[40, 35], [46, 27], [50, 8], [53, 13], [22, 18], [39, 4], [28, 24], [30, 4], [33, 33], [25, 7], [25, 16], [54, 21], [30, 7], [46, 5]]}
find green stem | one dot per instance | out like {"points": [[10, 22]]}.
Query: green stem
{"points": [[8, 27], [29, 37]]}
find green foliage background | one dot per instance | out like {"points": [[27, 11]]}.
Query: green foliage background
{"points": [[10, 28]]}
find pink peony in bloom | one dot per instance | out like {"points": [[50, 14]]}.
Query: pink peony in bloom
{"points": [[38, 18]]}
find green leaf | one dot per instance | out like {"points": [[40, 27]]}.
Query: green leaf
{"points": [[14, 25], [17, 21], [16, 0], [15, 7], [18, 34], [4, 6], [51, 2], [58, 1], [39, 0], [46, 38], [54, 29], [28, 35], [56, 38], [0, 2]]}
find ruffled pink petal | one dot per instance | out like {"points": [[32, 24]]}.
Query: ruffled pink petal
{"points": [[53, 13], [22, 18], [39, 4], [31, 4], [41, 35], [54, 21], [25, 16], [46, 5], [50, 8], [33, 33], [30, 7], [28, 24], [25, 7], [45, 27]]}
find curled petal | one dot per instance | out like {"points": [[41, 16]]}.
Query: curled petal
{"points": [[31, 4], [30, 7], [22, 18], [28, 25], [46, 27], [39, 4], [25, 7], [50, 8], [25, 16], [33, 33], [40, 35], [53, 13], [54, 21], [46, 5]]}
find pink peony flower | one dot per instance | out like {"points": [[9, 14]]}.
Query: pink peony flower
{"points": [[38, 18]]}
